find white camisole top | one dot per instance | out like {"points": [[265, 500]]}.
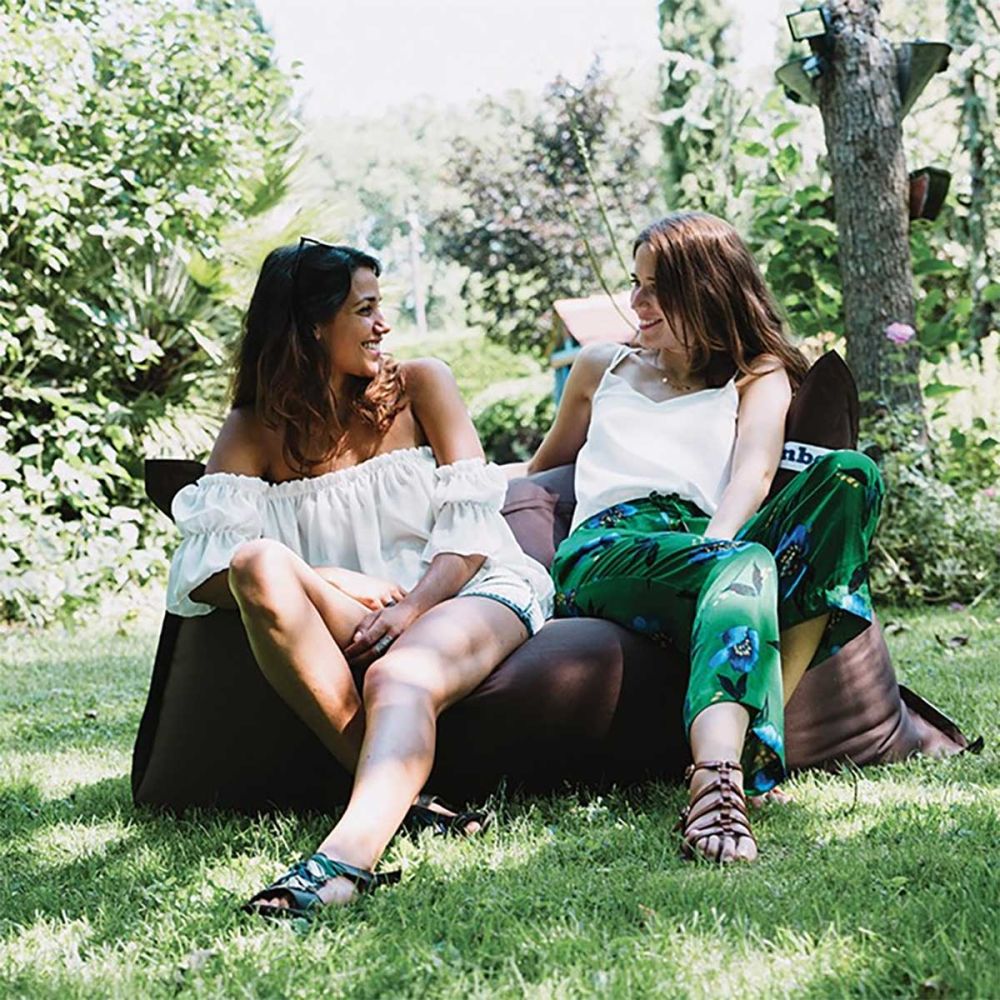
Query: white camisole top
{"points": [[636, 445]]}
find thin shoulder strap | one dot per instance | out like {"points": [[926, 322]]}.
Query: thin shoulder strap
{"points": [[623, 352]]}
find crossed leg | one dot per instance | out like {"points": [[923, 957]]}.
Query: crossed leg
{"points": [[297, 623], [439, 659]]}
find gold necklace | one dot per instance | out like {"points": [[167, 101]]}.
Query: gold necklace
{"points": [[665, 379]]}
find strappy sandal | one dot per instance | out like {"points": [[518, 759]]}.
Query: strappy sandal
{"points": [[302, 882], [422, 816], [723, 812]]}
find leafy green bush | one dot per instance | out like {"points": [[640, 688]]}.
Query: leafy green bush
{"points": [[512, 429], [934, 543], [939, 536], [131, 135], [478, 364]]}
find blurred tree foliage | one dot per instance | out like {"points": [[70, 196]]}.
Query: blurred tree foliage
{"points": [[697, 116], [131, 134], [381, 188], [540, 202]]}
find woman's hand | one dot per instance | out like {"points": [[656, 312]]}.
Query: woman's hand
{"points": [[373, 593], [378, 631]]}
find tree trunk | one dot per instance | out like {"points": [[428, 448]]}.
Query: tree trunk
{"points": [[419, 297], [859, 101]]}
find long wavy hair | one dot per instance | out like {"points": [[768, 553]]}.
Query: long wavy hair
{"points": [[282, 369], [712, 293]]}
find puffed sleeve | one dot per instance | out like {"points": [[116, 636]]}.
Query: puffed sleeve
{"points": [[466, 502], [214, 516]]}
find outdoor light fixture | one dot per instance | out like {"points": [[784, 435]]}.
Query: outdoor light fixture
{"points": [[812, 66], [812, 25], [916, 62], [808, 24]]}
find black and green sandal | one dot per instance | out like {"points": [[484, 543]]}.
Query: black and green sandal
{"points": [[423, 816], [302, 882]]}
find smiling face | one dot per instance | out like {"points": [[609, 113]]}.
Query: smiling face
{"points": [[353, 338], [655, 331]]}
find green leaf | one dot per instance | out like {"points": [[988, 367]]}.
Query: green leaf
{"points": [[788, 159], [932, 265], [940, 389]]}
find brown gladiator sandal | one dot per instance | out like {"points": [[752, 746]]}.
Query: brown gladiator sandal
{"points": [[723, 815]]}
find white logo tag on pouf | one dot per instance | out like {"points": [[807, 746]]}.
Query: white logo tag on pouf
{"points": [[797, 456]]}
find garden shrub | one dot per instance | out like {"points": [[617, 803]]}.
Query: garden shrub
{"points": [[938, 539], [131, 136], [512, 429], [934, 544]]}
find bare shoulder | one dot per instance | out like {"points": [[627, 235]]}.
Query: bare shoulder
{"points": [[591, 363], [428, 380], [423, 373], [243, 446], [440, 411]]}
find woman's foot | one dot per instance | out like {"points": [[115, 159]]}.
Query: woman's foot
{"points": [[715, 823], [428, 812], [775, 797], [312, 884]]}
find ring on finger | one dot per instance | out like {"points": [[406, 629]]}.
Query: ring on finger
{"points": [[383, 644]]}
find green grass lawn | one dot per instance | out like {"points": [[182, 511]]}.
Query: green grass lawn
{"points": [[882, 883]]}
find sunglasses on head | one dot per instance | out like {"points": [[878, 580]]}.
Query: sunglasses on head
{"points": [[306, 241], [303, 241]]}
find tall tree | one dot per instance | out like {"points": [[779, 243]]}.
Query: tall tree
{"points": [[975, 30], [860, 104]]}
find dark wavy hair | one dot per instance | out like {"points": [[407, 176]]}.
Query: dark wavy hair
{"points": [[282, 369], [713, 294]]}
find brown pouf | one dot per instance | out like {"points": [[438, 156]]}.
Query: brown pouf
{"points": [[584, 700]]}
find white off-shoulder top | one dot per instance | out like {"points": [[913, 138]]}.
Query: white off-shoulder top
{"points": [[388, 517]]}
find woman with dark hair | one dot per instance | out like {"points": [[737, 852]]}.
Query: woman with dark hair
{"points": [[348, 514], [676, 441]]}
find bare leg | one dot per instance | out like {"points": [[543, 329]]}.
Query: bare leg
{"points": [[798, 646], [443, 656], [295, 620], [718, 733]]}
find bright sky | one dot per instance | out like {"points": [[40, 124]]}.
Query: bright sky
{"points": [[365, 55]]}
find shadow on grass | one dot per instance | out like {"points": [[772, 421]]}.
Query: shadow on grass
{"points": [[142, 861], [880, 899], [901, 902]]}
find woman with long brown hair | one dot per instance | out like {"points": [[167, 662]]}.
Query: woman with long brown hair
{"points": [[676, 441], [348, 514]]}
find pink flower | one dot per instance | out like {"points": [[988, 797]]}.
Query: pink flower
{"points": [[900, 333], [990, 492]]}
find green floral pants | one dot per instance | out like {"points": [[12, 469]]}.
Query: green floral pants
{"points": [[647, 565]]}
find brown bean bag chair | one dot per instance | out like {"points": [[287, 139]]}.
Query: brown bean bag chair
{"points": [[583, 701]]}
